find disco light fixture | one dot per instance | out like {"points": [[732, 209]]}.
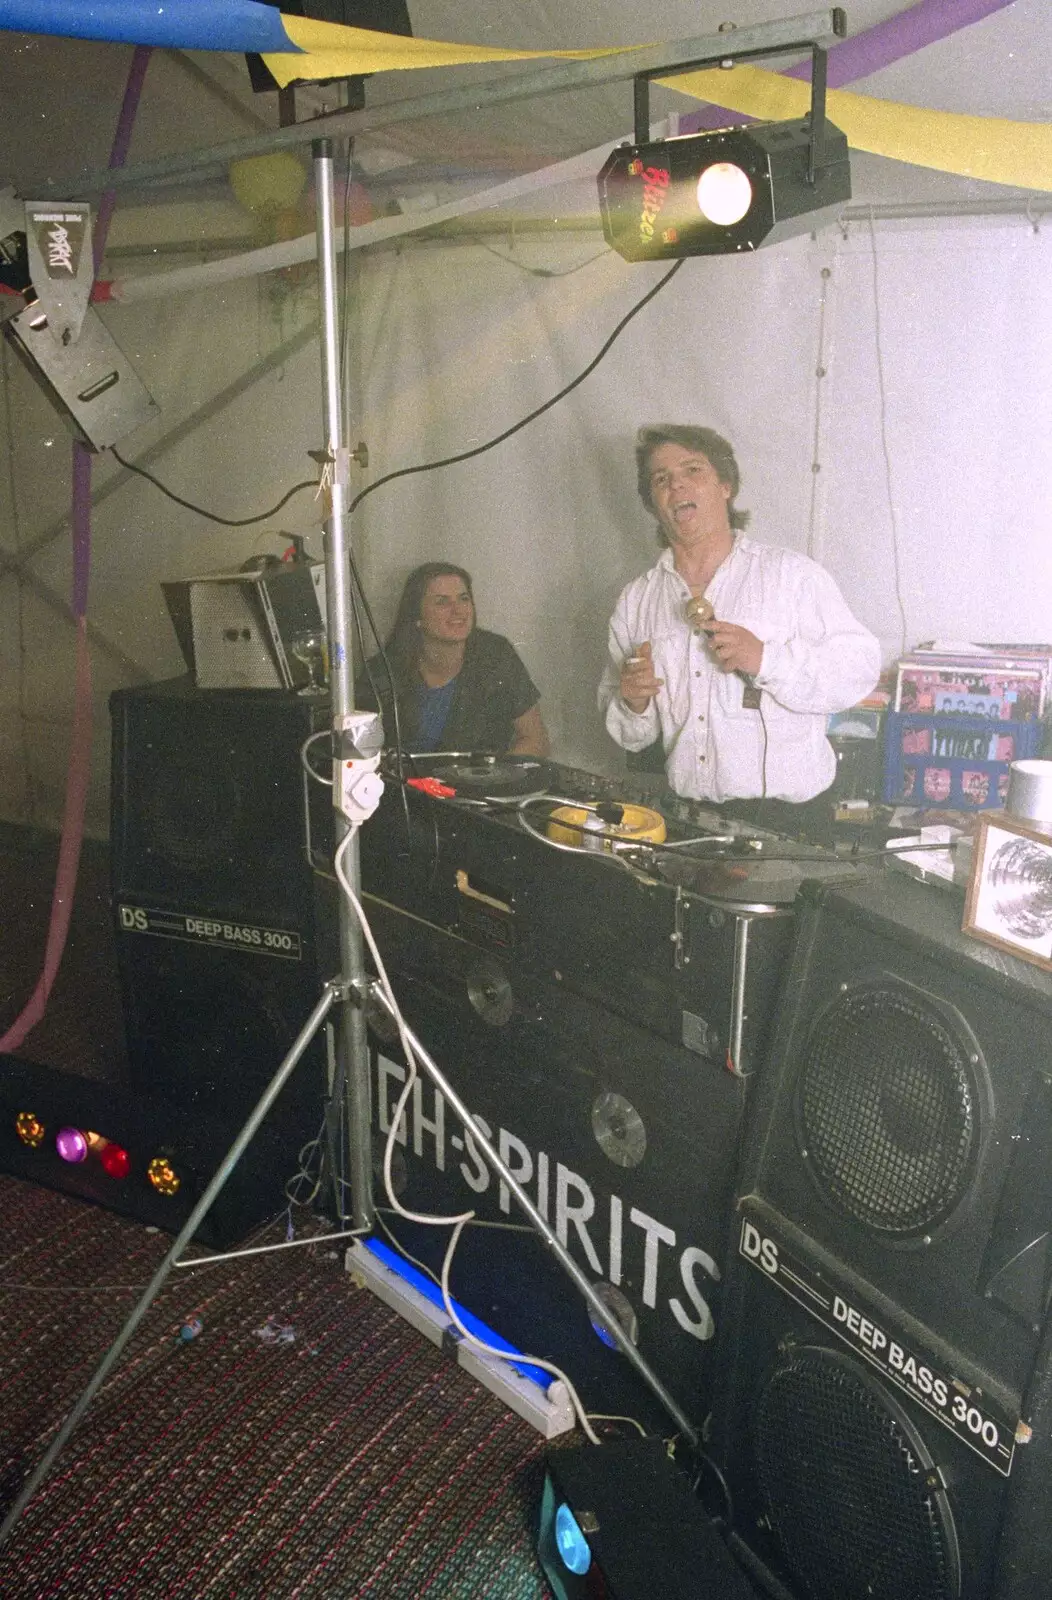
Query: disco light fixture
{"points": [[728, 191]]}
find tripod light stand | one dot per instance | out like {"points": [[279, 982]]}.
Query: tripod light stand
{"points": [[352, 987]]}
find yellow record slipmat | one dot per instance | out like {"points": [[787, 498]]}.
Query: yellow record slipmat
{"points": [[590, 830]]}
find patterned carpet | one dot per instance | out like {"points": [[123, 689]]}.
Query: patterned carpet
{"points": [[305, 1443]]}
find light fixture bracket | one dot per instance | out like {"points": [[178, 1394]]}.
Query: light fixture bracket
{"points": [[819, 73], [797, 171]]}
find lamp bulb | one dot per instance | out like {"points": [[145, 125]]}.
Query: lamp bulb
{"points": [[724, 193]]}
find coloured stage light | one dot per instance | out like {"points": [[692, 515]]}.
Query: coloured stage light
{"points": [[30, 1129], [115, 1160], [724, 192], [623, 1521], [163, 1176], [571, 1542], [71, 1144]]}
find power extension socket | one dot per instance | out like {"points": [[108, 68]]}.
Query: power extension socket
{"points": [[546, 1408]]}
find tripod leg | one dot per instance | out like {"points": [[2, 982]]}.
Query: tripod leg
{"points": [[330, 994]]}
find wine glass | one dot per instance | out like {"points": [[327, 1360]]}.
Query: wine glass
{"points": [[310, 647]]}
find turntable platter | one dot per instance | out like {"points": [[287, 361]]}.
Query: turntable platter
{"points": [[482, 777]]}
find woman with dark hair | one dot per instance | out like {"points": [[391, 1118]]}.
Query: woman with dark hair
{"points": [[458, 686]]}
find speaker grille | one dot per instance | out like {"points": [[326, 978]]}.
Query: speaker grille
{"points": [[197, 817], [889, 1111], [208, 1029], [851, 1493]]}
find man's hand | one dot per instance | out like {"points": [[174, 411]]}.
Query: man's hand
{"points": [[734, 649], [638, 683]]}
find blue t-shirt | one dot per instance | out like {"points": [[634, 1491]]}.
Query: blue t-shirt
{"points": [[433, 708], [488, 695]]}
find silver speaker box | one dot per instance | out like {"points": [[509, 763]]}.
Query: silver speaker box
{"points": [[236, 629]]}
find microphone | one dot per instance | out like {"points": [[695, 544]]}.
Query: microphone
{"points": [[700, 610]]}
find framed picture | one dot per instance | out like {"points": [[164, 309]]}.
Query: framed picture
{"points": [[1009, 900]]}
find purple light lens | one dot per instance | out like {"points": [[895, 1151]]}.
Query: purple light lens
{"points": [[71, 1144]]}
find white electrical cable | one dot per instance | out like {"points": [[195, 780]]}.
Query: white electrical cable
{"points": [[460, 1221], [305, 761]]}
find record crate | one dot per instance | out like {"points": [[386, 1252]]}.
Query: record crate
{"points": [[957, 762]]}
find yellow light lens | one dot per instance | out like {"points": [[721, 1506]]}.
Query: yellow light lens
{"points": [[163, 1176], [30, 1129]]}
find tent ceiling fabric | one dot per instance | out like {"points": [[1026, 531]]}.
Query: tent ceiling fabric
{"points": [[551, 127]]}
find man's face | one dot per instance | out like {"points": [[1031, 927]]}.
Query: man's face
{"points": [[687, 495]]}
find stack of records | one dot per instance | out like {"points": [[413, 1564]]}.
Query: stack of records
{"points": [[961, 714]]}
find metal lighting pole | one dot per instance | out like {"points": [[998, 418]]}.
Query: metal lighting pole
{"points": [[353, 1039], [352, 1043]]}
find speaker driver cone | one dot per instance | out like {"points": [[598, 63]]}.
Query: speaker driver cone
{"points": [[888, 1110], [619, 1129], [852, 1495], [490, 993]]}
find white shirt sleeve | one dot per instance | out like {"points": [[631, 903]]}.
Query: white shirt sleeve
{"points": [[830, 661], [630, 729]]}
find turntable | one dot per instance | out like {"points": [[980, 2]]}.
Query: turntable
{"points": [[486, 778], [686, 943]]}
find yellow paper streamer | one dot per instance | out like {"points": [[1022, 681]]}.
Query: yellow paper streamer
{"points": [[338, 52], [991, 148]]}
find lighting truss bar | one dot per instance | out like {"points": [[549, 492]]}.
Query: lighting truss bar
{"points": [[733, 57], [767, 38]]}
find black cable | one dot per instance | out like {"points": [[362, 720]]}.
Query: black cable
{"points": [[703, 1460], [227, 522], [516, 427], [467, 455], [405, 472], [741, 852]]}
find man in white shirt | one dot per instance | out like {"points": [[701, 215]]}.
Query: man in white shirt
{"points": [[739, 689]]}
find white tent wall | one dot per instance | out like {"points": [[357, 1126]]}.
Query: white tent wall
{"points": [[939, 426], [549, 522], [909, 362], [237, 462], [887, 389]]}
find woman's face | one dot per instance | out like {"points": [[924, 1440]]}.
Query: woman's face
{"points": [[447, 613]]}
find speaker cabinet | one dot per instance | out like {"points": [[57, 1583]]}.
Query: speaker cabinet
{"points": [[622, 1522], [883, 1358], [225, 932], [625, 1143]]}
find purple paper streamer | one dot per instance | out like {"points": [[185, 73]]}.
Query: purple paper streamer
{"points": [[121, 144], [869, 52], [80, 521], [78, 767]]}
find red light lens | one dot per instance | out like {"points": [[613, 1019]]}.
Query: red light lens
{"points": [[115, 1161]]}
